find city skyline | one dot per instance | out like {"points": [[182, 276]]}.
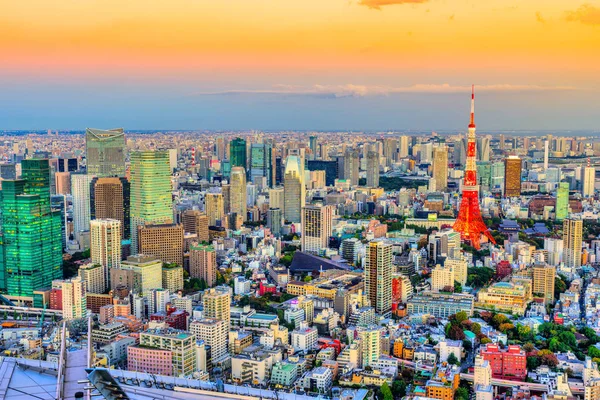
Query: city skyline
{"points": [[347, 65]]}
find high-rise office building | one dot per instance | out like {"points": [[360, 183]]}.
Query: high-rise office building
{"points": [[403, 147], [294, 189], [562, 201], [274, 216], [31, 241], [203, 264], [483, 148], [317, 224], [109, 199], [390, 150], [378, 276], [147, 271], [512, 176], [220, 148], [277, 198], [351, 166], [8, 171], [237, 153], [163, 241], [215, 208], [105, 245], [589, 181], [261, 162], [151, 199], [313, 144], [196, 222], [63, 182], [440, 167], [543, 281], [572, 241], [217, 304], [105, 152], [372, 169], [237, 195], [80, 190]]}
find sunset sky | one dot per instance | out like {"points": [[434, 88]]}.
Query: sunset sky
{"points": [[299, 64]]}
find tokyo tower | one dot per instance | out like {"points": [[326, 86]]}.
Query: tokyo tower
{"points": [[469, 222]]}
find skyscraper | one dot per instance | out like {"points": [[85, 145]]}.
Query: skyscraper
{"points": [[163, 241], [105, 152], [261, 162], [294, 189], [109, 199], [378, 276], [351, 166], [372, 169], [403, 147], [203, 264], [572, 240], [237, 153], [274, 216], [105, 245], [220, 148], [151, 199], [483, 148], [589, 180], [543, 281], [316, 227], [512, 176], [80, 190], [197, 222], [214, 208], [31, 251], [390, 150], [562, 201], [63, 182], [312, 143], [440, 167], [238, 196]]}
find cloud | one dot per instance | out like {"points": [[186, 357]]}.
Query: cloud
{"points": [[539, 17], [586, 14], [351, 90], [377, 4]]}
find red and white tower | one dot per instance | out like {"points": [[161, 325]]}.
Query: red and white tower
{"points": [[469, 222], [193, 156]]}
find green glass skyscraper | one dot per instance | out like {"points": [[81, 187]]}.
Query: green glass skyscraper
{"points": [[150, 191], [562, 201], [237, 153], [31, 256]]}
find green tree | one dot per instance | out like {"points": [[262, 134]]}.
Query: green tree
{"points": [[457, 287], [461, 316], [461, 394], [307, 278], [398, 389], [453, 360], [386, 392]]}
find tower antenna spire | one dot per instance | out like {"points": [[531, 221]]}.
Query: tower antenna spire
{"points": [[472, 123]]}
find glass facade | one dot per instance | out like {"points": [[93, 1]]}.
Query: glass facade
{"points": [[237, 153], [32, 232], [150, 191], [261, 162], [105, 152]]}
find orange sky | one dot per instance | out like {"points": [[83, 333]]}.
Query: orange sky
{"points": [[546, 39]]}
